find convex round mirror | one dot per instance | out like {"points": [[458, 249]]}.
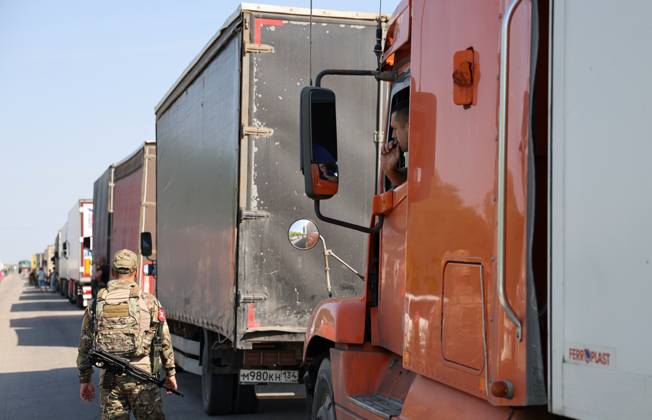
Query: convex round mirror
{"points": [[303, 234]]}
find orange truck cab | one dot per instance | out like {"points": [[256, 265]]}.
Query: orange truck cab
{"points": [[464, 315]]}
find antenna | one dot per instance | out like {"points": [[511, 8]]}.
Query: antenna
{"points": [[378, 132], [378, 49], [310, 46]]}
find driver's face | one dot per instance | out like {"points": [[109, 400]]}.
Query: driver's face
{"points": [[400, 132]]}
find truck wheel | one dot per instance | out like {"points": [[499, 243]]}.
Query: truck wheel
{"points": [[323, 404], [216, 389], [246, 401]]}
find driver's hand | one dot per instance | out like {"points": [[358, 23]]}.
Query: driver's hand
{"points": [[390, 154]]}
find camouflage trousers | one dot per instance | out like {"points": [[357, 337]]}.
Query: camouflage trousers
{"points": [[143, 400]]}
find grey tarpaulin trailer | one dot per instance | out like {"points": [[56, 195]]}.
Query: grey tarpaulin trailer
{"points": [[237, 295]]}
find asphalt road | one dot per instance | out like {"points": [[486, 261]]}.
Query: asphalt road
{"points": [[39, 334]]}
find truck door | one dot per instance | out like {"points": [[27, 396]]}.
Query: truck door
{"points": [[391, 284], [471, 317], [601, 258]]}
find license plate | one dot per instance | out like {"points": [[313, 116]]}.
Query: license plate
{"points": [[256, 376]]}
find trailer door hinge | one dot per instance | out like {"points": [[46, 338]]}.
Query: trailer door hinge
{"points": [[257, 131], [251, 298], [253, 214], [258, 48]]}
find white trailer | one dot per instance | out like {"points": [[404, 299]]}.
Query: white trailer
{"points": [[600, 210], [75, 257]]}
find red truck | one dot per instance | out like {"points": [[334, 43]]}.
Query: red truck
{"points": [[125, 203]]}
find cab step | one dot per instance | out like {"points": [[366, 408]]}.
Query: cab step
{"points": [[378, 404]]}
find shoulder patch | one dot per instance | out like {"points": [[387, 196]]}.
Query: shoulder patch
{"points": [[161, 314]]}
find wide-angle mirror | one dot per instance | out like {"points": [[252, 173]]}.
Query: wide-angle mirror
{"points": [[303, 234]]}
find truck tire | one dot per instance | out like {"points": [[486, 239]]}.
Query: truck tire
{"points": [[216, 389], [323, 404], [246, 401], [71, 295]]}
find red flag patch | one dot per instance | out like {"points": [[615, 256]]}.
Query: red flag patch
{"points": [[161, 314]]}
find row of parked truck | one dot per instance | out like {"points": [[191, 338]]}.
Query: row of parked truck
{"points": [[506, 278], [214, 195]]}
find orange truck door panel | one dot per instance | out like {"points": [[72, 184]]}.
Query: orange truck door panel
{"points": [[392, 275], [451, 281]]}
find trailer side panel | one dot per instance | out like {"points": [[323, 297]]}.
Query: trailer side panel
{"points": [[601, 259], [197, 174], [125, 229]]}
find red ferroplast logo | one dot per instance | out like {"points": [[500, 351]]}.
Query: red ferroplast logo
{"points": [[589, 356]]}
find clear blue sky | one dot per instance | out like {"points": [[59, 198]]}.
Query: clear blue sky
{"points": [[78, 84]]}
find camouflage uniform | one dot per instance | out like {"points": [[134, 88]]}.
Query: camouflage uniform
{"points": [[126, 393]]}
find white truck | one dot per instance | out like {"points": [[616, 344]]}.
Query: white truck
{"points": [[75, 258]]}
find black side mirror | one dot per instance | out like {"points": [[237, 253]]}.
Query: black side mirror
{"points": [[146, 244], [319, 142]]}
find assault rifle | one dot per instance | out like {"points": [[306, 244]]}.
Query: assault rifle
{"points": [[115, 365]]}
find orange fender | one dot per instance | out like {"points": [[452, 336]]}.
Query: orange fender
{"points": [[337, 320]]}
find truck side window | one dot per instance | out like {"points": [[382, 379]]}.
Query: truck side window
{"points": [[394, 156]]}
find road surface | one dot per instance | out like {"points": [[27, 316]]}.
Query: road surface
{"points": [[39, 334]]}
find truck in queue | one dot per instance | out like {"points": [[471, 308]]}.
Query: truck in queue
{"points": [[237, 300], [36, 261], [56, 262], [24, 267], [124, 203], [102, 217], [75, 257], [507, 276], [48, 259], [62, 250]]}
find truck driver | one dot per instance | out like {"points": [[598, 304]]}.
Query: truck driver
{"points": [[392, 150]]}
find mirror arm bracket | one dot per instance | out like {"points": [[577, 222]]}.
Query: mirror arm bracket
{"points": [[330, 253], [372, 230], [343, 73]]}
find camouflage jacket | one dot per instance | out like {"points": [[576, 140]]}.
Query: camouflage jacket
{"points": [[157, 315]]}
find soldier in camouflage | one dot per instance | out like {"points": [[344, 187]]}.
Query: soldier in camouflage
{"points": [[122, 306]]}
